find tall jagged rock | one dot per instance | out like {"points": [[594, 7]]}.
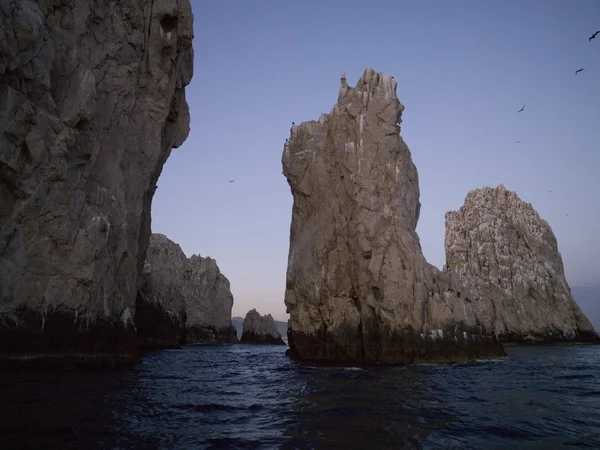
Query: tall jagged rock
{"points": [[498, 246], [258, 329], [358, 288], [91, 103], [182, 300]]}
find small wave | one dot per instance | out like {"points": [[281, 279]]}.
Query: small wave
{"points": [[577, 376], [491, 360], [212, 407], [590, 394], [206, 407]]}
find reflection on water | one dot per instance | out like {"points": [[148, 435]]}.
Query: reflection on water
{"points": [[254, 397]]}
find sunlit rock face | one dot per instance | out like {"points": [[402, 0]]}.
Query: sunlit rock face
{"points": [[358, 288], [91, 103], [182, 300], [498, 246]]}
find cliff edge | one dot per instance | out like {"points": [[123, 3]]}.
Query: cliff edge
{"points": [[92, 101]]}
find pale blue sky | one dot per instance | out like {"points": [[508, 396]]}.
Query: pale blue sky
{"points": [[463, 68]]}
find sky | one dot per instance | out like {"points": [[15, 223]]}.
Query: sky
{"points": [[464, 69]]}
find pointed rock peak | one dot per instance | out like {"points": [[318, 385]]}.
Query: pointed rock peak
{"points": [[344, 88], [354, 251]]}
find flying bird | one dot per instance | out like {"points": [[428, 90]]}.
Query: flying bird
{"points": [[231, 181], [521, 109], [517, 142], [593, 36], [550, 192], [579, 70]]}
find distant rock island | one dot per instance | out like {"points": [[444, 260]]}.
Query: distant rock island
{"points": [[258, 329], [181, 300], [93, 101], [507, 257], [238, 323], [358, 288]]}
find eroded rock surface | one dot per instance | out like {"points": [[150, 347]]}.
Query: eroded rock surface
{"points": [[498, 246], [181, 300], [358, 287], [91, 103], [259, 329]]}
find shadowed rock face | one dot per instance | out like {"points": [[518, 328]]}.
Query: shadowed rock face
{"points": [[358, 288], [181, 300], [259, 329], [498, 246], [91, 103]]}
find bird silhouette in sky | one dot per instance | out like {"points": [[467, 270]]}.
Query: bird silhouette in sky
{"points": [[517, 142], [231, 181], [593, 36], [521, 109], [579, 70]]}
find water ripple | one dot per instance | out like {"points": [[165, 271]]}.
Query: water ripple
{"points": [[250, 397]]}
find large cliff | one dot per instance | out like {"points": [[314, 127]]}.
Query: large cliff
{"points": [[358, 288], [259, 330], [182, 300], [498, 246], [91, 103]]}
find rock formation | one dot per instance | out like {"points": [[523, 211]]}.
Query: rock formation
{"points": [[182, 300], [259, 329], [358, 288], [500, 248], [91, 103]]}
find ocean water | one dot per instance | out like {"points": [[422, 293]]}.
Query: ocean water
{"points": [[253, 397]]}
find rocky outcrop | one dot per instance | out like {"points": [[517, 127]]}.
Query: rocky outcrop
{"points": [[181, 300], [91, 103], [259, 329], [498, 246], [358, 288]]}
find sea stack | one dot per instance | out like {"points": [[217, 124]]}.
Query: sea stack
{"points": [[259, 329], [181, 300], [92, 101], [358, 289], [498, 246]]}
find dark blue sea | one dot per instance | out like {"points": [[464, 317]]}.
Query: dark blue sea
{"points": [[253, 397]]}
